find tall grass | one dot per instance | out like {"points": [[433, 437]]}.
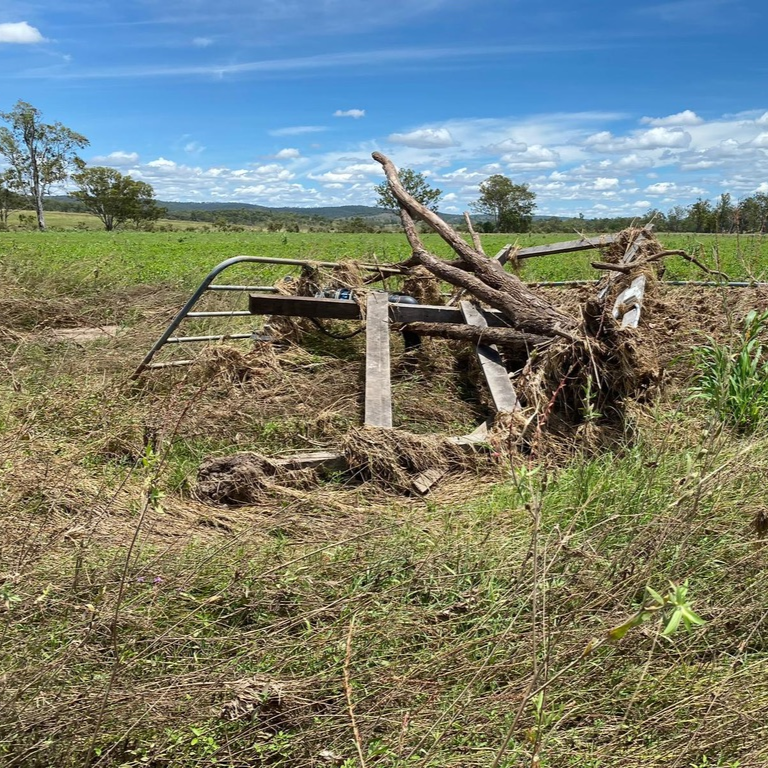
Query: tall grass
{"points": [[732, 379]]}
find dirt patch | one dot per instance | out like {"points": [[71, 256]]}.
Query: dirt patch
{"points": [[81, 335]]}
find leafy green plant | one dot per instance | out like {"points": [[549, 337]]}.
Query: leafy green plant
{"points": [[732, 379]]}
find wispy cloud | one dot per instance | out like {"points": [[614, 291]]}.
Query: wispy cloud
{"points": [[694, 12], [424, 138], [354, 113], [194, 148], [20, 33], [297, 130], [202, 42], [389, 57], [118, 158]]}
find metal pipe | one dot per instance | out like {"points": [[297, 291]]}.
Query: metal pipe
{"points": [[227, 313], [703, 283], [257, 288], [221, 337]]}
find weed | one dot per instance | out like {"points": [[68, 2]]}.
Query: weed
{"points": [[732, 379]]}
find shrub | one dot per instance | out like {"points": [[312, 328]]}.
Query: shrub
{"points": [[732, 379]]}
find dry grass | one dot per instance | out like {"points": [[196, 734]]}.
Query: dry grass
{"points": [[141, 626]]}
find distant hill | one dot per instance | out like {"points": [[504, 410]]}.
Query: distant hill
{"points": [[371, 213]]}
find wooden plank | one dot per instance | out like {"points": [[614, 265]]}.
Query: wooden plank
{"points": [[344, 309], [325, 460], [629, 303], [475, 438], [378, 385], [424, 481], [569, 246], [303, 306], [502, 391]]}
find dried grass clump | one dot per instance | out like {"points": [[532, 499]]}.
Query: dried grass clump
{"points": [[613, 253], [423, 286], [244, 478], [276, 705], [230, 365], [393, 457]]}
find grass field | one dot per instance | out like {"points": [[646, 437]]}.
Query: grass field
{"points": [[79, 260], [345, 623]]}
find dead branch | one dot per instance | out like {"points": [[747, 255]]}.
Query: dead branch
{"points": [[475, 236], [550, 324], [623, 268], [509, 338], [490, 283]]}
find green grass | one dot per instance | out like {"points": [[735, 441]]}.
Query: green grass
{"points": [[79, 262], [133, 617]]}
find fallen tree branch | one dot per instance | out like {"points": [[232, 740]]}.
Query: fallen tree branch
{"points": [[519, 315], [623, 268], [509, 338], [475, 236], [490, 283]]}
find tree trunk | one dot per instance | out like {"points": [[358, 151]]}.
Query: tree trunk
{"points": [[39, 210]]}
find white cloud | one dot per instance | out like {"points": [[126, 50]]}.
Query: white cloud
{"points": [[531, 158], [20, 33], [161, 162], [604, 183], [354, 113], [424, 138], [202, 42], [654, 138], [574, 162], [686, 117], [297, 130], [118, 158], [508, 145], [661, 188]]}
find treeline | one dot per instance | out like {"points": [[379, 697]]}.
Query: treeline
{"points": [[724, 216], [749, 215]]}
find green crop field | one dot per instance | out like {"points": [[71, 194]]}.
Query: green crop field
{"points": [[76, 260], [576, 604]]}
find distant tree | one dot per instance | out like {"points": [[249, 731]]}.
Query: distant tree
{"points": [[9, 201], [415, 184], [510, 205], [752, 213], [725, 214], [115, 198], [701, 217], [39, 154]]}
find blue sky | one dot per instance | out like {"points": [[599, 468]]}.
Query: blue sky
{"points": [[602, 107]]}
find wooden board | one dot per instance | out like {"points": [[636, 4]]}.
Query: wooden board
{"points": [[345, 309], [378, 385], [569, 246], [629, 303], [502, 391], [329, 461], [303, 306]]}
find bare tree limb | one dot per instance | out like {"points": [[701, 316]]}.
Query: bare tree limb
{"points": [[475, 236], [625, 269], [490, 283], [509, 338]]}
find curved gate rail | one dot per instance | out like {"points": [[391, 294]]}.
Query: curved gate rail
{"points": [[207, 285]]}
